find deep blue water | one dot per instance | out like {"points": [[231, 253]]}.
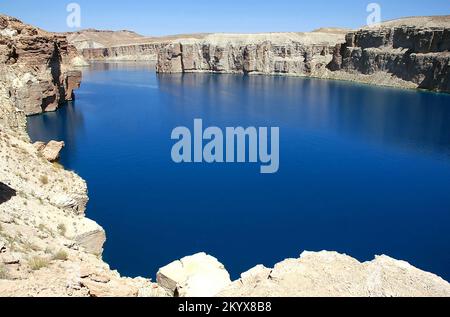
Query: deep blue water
{"points": [[363, 170]]}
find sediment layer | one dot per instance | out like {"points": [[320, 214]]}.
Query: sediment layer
{"points": [[407, 53]]}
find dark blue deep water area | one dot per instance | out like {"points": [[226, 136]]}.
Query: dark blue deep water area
{"points": [[363, 170]]}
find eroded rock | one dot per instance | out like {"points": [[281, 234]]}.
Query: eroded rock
{"points": [[199, 275], [331, 274], [51, 151]]}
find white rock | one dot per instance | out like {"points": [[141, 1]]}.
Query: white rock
{"points": [[79, 61], [255, 275], [200, 275]]}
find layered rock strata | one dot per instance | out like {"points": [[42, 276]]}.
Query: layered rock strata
{"points": [[36, 65], [100, 45], [133, 52], [417, 55], [305, 54], [408, 53]]}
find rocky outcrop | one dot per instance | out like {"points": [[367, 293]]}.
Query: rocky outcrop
{"points": [[321, 274], [329, 274], [35, 67], [51, 150], [199, 275], [408, 53], [413, 54]]}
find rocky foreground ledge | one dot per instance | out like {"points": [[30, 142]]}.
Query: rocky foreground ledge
{"points": [[322, 274], [48, 247]]}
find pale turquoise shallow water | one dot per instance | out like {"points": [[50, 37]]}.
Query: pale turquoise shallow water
{"points": [[363, 170]]}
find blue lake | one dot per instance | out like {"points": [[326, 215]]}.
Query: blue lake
{"points": [[363, 170]]}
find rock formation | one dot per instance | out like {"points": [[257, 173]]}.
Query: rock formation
{"points": [[275, 53], [96, 45], [133, 52], [199, 275], [321, 274], [413, 54], [46, 77], [329, 274], [408, 53], [51, 150]]}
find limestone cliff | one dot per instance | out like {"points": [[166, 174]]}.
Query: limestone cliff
{"points": [[131, 52], [98, 45], [409, 53], [304, 54], [419, 55]]}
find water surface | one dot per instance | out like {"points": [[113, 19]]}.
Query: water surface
{"points": [[363, 170]]}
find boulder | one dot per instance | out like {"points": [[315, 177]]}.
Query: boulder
{"points": [[51, 150], [92, 240], [200, 275]]}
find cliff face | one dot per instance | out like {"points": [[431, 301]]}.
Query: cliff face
{"points": [[290, 53], [133, 52], [410, 53], [417, 55], [97, 45], [35, 67]]}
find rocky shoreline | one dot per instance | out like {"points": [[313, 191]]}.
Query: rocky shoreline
{"points": [[410, 53], [406, 53], [48, 247]]}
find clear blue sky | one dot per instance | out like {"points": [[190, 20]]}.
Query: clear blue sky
{"points": [[156, 17]]}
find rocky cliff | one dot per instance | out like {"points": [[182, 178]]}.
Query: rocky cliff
{"points": [[409, 53], [304, 54], [98, 45], [47, 245], [46, 78], [416, 54], [131, 52]]}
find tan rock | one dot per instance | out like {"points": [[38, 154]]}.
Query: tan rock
{"points": [[92, 240], [112, 289], [375, 55], [331, 274], [199, 275], [52, 150]]}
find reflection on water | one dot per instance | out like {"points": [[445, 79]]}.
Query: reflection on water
{"points": [[363, 170], [406, 119]]}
